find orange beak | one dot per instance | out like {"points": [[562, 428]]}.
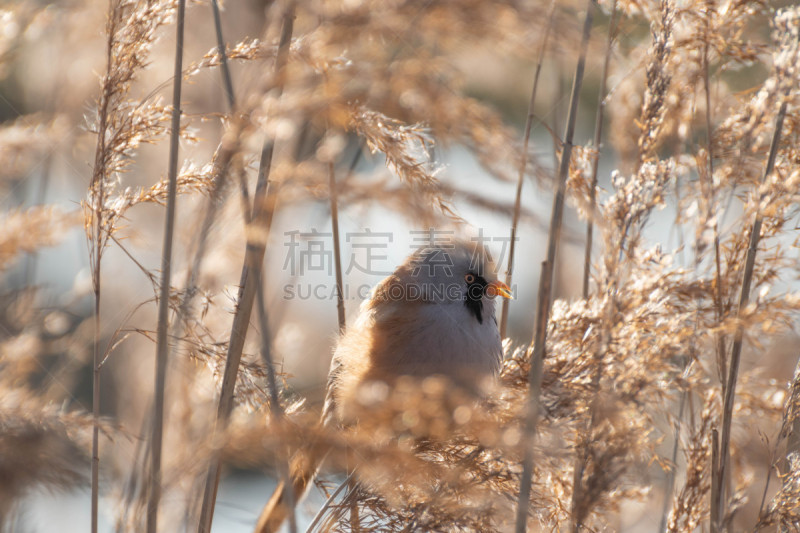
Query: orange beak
{"points": [[498, 287]]}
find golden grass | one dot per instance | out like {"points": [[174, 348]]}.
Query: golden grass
{"points": [[673, 345]]}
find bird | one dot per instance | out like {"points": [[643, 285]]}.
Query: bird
{"points": [[433, 316]]}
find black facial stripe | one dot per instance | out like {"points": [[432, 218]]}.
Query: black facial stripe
{"points": [[473, 297]]}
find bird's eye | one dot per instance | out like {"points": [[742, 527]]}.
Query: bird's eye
{"points": [[469, 278]]}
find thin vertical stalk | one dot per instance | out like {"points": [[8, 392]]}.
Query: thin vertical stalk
{"points": [[223, 163], [96, 400], [130, 491], [670, 484], [772, 464], [223, 55], [577, 511], [162, 341], [720, 340], [222, 167], [275, 405], [546, 284], [716, 522], [97, 192], [227, 81], [736, 350], [254, 258], [598, 135], [266, 355], [707, 188], [337, 255], [523, 164], [715, 486], [266, 350]]}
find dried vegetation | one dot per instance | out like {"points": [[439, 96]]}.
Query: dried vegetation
{"points": [[667, 392]]}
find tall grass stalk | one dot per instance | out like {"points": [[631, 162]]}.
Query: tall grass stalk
{"points": [[598, 136], [254, 258], [222, 48], [633, 376], [98, 193], [96, 395], [162, 342], [582, 450], [337, 259], [736, 349], [546, 283], [706, 179], [709, 187], [718, 310], [523, 164], [669, 485], [715, 522], [337, 254], [226, 152], [275, 406]]}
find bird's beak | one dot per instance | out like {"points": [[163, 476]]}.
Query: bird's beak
{"points": [[498, 287]]}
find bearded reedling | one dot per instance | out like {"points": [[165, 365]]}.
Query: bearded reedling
{"points": [[435, 315]]}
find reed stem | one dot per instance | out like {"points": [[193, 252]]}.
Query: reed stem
{"points": [[522, 166], [598, 135], [223, 56], [96, 245], [736, 349], [337, 255], [254, 258], [546, 284], [162, 341]]}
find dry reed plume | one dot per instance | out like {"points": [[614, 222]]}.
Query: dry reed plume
{"points": [[663, 392]]}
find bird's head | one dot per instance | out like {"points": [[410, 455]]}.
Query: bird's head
{"points": [[454, 272]]}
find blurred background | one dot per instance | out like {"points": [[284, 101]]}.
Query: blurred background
{"points": [[52, 57]]}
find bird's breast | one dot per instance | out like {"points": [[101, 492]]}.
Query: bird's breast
{"points": [[391, 339], [436, 338]]}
